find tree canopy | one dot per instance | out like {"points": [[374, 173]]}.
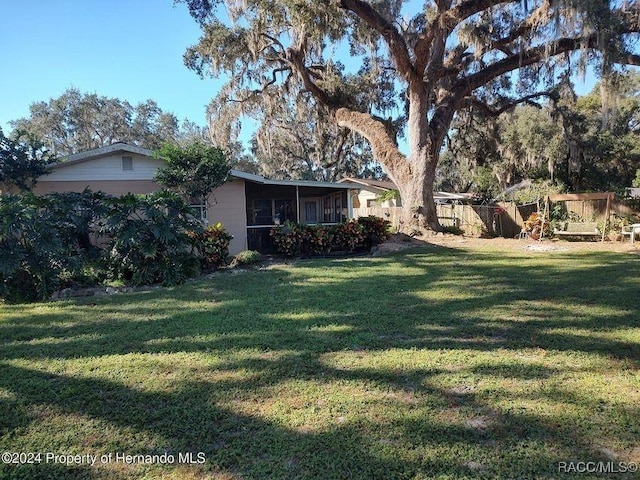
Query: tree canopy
{"points": [[76, 121], [22, 161], [581, 143], [294, 140], [193, 170], [412, 66]]}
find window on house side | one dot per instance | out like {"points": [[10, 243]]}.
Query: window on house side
{"points": [[199, 211], [127, 163]]}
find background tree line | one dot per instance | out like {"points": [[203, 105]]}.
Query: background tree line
{"points": [[587, 143]]}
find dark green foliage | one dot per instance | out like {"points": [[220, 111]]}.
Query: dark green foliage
{"points": [[214, 245], [22, 161], [52, 242], [376, 229], [194, 170], [152, 238], [45, 242], [32, 253], [77, 218], [248, 257], [355, 235]]}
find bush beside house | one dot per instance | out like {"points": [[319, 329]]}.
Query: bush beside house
{"points": [[294, 239], [71, 239]]}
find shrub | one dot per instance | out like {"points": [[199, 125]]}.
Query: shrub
{"points": [[294, 239], [152, 239], [78, 217], [376, 229], [214, 245], [248, 257], [452, 229], [288, 238], [32, 253]]}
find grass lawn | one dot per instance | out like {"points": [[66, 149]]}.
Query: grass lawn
{"points": [[437, 363]]}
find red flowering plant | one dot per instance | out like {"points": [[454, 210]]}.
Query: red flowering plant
{"points": [[534, 226], [287, 238], [214, 245], [294, 239]]}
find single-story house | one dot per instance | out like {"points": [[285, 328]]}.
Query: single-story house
{"points": [[248, 205]]}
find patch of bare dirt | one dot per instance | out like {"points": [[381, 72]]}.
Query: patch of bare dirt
{"points": [[401, 241]]}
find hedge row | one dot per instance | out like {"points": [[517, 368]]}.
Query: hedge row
{"points": [[294, 239], [88, 238]]}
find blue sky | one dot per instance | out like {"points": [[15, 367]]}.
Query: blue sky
{"points": [[129, 49]]}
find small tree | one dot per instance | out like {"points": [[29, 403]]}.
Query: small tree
{"points": [[193, 170], [636, 181], [22, 161]]}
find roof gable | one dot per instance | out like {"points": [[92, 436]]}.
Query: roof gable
{"points": [[101, 152]]}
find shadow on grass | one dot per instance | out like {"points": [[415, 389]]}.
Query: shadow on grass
{"points": [[432, 299]]}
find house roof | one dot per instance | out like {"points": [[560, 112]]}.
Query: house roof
{"points": [[251, 177], [101, 152], [368, 182], [127, 148]]}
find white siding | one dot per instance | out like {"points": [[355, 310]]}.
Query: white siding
{"points": [[107, 168]]}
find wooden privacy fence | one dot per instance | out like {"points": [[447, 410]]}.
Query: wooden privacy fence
{"points": [[476, 220]]}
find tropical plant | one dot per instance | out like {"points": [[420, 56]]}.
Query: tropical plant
{"points": [[22, 160], [152, 239], [32, 253], [294, 239], [214, 245]]}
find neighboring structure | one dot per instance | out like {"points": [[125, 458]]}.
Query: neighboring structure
{"points": [[633, 192], [370, 192], [248, 205]]}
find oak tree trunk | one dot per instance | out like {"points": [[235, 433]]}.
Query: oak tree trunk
{"points": [[414, 175]]}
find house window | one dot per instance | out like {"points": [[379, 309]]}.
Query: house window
{"points": [[199, 211], [127, 163], [372, 202], [267, 211]]}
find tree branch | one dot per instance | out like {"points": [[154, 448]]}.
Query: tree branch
{"points": [[464, 86], [264, 87], [296, 59], [495, 112], [393, 38]]}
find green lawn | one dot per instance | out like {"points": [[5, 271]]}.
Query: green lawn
{"points": [[437, 363]]}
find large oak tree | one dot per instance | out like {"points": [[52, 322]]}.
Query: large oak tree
{"points": [[412, 65]]}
